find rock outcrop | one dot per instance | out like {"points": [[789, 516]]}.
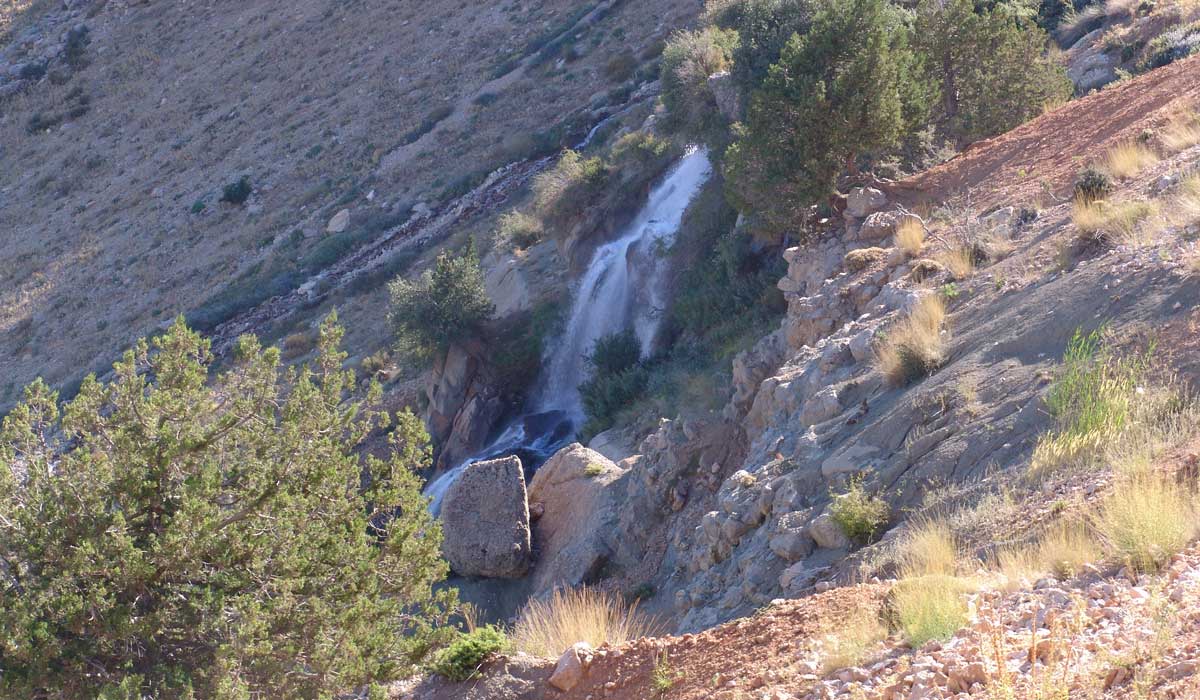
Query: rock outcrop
{"points": [[573, 492], [464, 403], [485, 521]]}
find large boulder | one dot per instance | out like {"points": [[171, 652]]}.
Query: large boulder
{"points": [[572, 490], [485, 521]]}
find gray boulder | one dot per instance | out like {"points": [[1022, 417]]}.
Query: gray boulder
{"points": [[864, 201], [574, 492], [485, 521]]}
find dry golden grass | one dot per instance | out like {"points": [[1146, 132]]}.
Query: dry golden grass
{"points": [[1146, 519], [910, 237], [1061, 550], [914, 347], [546, 628], [958, 261], [929, 549], [1127, 223], [1182, 131], [1128, 159], [1184, 208], [853, 641], [929, 600]]}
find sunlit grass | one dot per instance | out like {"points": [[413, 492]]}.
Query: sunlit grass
{"points": [[910, 237], [1128, 159], [1182, 131], [1112, 223], [546, 628], [914, 347], [1145, 520], [959, 261]]}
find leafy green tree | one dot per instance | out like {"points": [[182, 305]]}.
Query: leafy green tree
{"points": [[170, 537], [838, 91], [764, 28], [448, 304], [990, 66]]}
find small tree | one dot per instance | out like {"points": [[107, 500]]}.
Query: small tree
{"points": [[837, 91], [990, 66], [448, 304], [164, 537]]}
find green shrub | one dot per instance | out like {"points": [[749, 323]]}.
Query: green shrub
{"points": [[688, 60], [237, 192], [565, 190], [859, 514], [606, 395], [641, 148], [245, 547], [460, 661], [1092, 185], [989, 66], [847, 87], [448, 304], [519, 229], [615, 353], [1173, 45], [620, 67], [520, 345]]}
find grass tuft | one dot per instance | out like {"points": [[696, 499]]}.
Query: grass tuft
{"points": [[914, 347], [1146, 520], [1113, 223], [1182, 132], [1094, 400], [1065, 548], [852, 642], [546, 628], [1127, 159], [928, 549], [959, 261], [910, 236], [930, 607]]}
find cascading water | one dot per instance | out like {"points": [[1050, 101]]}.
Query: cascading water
{"points": [[622, 287]]}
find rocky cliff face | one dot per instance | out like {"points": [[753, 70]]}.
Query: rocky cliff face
{"points": [[722, 515]]}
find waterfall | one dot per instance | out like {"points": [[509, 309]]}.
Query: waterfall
{"points": [[623, 287]]}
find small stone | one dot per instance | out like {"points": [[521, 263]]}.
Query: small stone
{"points": [[340, 222]]}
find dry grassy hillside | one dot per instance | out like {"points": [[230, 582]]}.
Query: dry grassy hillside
{"points": [[111, 175]]}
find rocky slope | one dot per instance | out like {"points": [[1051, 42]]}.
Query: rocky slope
{"points": [[722, 515], [357, 125]]}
